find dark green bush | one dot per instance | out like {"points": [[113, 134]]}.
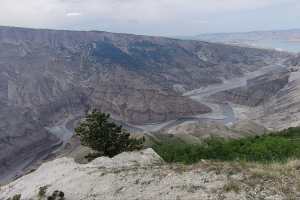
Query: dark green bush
{"points": [[61, 194], [54, 194], [104, 137]]}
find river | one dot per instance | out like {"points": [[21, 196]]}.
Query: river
{"points": [[222, 113]]}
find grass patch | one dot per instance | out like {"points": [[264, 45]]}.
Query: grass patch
{"points": [[273, 147], [231, 185], [42, 191], [15, 197]]}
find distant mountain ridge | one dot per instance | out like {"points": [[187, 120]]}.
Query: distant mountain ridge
{"points": [[285, 35]]}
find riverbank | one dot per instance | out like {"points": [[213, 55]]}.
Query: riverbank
{"points": [[222, 113], [62, 130]]}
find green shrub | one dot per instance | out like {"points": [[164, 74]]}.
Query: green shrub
{"points": [[264, 149], [42, 191], [15, 197]]}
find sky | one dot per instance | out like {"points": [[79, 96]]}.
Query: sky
{"points": [[153, 17]]}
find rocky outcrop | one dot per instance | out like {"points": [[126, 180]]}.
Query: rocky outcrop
{"points": [[257, 90], [144, 175]]}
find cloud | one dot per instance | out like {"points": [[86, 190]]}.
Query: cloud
{"points": [[74, 14], [131, 21], [103, 25], [200, 22]]}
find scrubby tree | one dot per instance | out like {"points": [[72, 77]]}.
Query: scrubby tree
{"points": [[104, 137]]}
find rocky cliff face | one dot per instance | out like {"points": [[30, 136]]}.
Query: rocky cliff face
{"points": [[282, 110], [273, 96], [293, 61], [257, 90], [50, 74]]}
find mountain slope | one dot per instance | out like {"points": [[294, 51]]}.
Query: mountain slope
{"points": [[52, 71], [20, 137], [257, 90], [51, 74], [273, 96], [282, 110], [293, 61]]}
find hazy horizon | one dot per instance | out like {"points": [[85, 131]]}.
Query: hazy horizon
{"points": [[156, 17]]}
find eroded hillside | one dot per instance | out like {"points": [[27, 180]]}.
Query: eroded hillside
{"points": [[21, 137], [50, 74], [135, 78], [257, 90], [273, 97]]}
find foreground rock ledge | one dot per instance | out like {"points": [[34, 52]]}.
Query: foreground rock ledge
{"points": [[134, 175]]}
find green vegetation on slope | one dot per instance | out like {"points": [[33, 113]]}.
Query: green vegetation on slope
{"points": [[277, 146]]}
